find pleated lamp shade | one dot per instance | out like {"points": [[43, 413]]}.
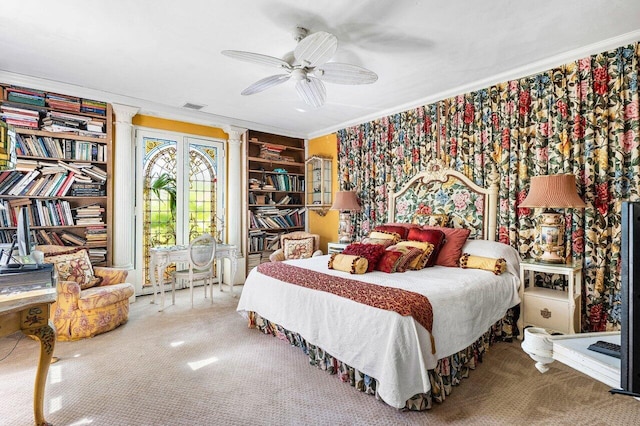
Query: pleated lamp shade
{"points": [[553, 191]]}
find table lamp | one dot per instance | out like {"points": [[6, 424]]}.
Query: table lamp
{"points": [[552, 192], [346, 202]]}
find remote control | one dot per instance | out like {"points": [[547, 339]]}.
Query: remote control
{"points": [[605, 348]]}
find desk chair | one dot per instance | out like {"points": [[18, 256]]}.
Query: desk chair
{"points": [[202, 252]]}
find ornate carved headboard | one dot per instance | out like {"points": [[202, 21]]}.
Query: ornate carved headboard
{"points": [[439, 190]]}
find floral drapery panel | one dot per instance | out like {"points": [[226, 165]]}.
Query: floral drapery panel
{"points": [[580, 118]]}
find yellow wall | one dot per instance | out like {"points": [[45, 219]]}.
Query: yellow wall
{"points": [[325, 226], [179, 126]]}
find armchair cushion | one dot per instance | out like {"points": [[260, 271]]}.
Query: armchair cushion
{"points": [[76, 267], [298, 249], [297, 245]]}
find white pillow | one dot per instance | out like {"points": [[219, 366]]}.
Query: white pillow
{"points": [[496, 250]]}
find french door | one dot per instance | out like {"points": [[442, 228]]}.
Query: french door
{"points": [[180, 191]]}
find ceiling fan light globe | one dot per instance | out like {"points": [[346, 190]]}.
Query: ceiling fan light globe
{"points": [[298, 74]]}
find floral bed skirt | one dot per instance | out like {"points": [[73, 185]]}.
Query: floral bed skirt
{"points": [[448, 372]]}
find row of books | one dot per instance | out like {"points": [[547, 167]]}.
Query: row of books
{"points": [[57, 121], [69, 149], [34, 178], [289, 218], [54, 121], [285, 182], [40, 98], [35, 183], [20, 117], [262, 241]]}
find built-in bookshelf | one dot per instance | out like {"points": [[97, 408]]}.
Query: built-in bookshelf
{"points": [[62, 169], [275, 192]]}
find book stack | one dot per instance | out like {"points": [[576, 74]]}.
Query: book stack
{"points": [[89, 215], [97, 255], [63, 102], [93, 107], [271, 152], [57, 121], [253, 260], [96, 236], [91, 189], [21, 117], [23, 95]]}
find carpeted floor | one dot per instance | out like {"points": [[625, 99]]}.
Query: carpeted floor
{"points": [[203, 366]]}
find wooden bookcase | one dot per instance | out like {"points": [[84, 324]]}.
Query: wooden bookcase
{"points": [[63, 174], [275, 192]]}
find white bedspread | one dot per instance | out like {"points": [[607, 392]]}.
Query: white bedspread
{"points": [[396, 350]]}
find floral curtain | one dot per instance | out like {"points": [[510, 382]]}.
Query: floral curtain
{"points": [[580, 118]]}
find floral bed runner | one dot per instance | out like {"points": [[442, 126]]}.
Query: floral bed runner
{"points": [[403, 302]]}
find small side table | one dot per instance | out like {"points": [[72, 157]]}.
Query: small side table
{"points": [[336, 247], [556, 310]]}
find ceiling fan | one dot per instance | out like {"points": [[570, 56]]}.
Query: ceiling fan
{"points": [[308, 66]]}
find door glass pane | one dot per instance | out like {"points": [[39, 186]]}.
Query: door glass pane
{"points": [[160, 198], [202, 190]]}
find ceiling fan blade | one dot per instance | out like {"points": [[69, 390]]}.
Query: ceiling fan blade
{"points": [[265, 83], [335, 72], [316, 49], [311, 91], [256, 58]]}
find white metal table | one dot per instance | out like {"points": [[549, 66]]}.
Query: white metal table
{"points": [[162, 256]]}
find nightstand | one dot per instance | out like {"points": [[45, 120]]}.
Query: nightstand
{"points": [[336, 247], [556, 310]]}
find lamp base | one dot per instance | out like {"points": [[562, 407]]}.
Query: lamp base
{"points": [[550, 257], [345, 228]]}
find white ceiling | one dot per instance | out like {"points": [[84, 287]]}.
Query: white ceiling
{"points": [[159, 54]]}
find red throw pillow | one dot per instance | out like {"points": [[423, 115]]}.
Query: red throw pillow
{"points": [[372, 252], [433, 236], [451, 250], [400, 230], [389, 261]]}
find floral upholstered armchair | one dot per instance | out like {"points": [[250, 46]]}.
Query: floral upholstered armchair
{"points": [[90, 300], [297, 245]]}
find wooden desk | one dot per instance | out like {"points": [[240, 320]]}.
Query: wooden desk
{"points": [[29, 312]]}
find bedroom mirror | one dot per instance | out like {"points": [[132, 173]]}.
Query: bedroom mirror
{"points": [[318, 184]]}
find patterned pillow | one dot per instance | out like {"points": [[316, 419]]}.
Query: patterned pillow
{"points": [[389, 261], [433, 236], [394, 236], [299, 248], [430, 219], [409, 255], [75, 267], [348, 263], [497, 266], [400, 230], [372, 252], [382, 241], [421, 261]]}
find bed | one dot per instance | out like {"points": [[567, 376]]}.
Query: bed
{"points": [[380, 351]]}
